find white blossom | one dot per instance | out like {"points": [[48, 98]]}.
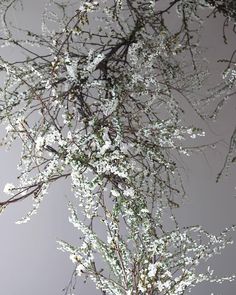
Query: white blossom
{"points": [[8, 189]]}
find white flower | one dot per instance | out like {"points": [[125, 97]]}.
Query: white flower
{"points": [[80, 269], [129, 192], [116, 193], [167, 284], [92, 65], [193, 135], [9, 128], [142, 288], [8, 188], [39, 143], [75, 258], [152, 270], [107, 142]]}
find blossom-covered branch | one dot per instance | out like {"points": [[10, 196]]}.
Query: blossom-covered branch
{"points": [[97, 101]]}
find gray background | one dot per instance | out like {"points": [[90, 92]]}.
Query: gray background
{"points": [[29, 261]]}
